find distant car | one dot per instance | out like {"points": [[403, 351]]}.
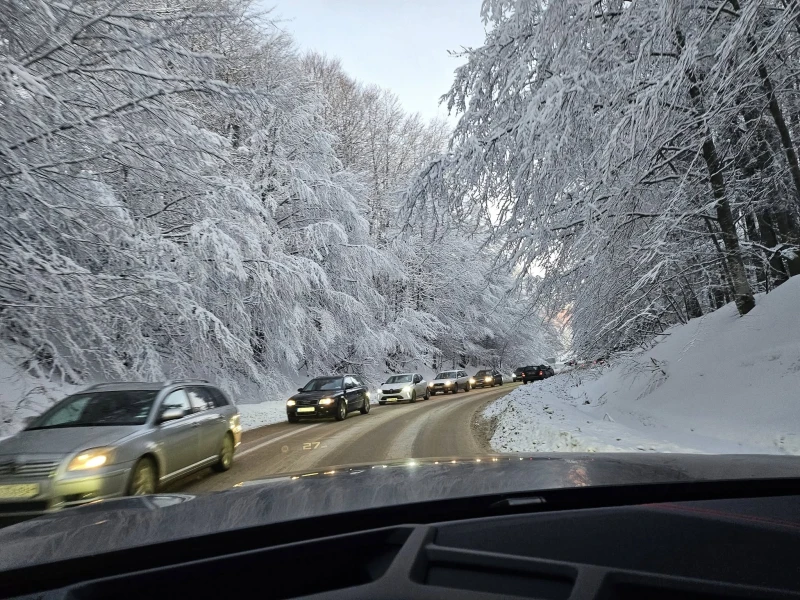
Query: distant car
{"points": [[333, 396], [518, 373], [116, 439], [405, 387], [487, 378], [449, 381], [537, 373]]}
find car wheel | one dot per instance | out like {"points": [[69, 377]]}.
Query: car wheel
{"points": [[341, 410], [293, 419], [365, 408], [225, 454], [144, 478], [413, 396], [427, 395]]}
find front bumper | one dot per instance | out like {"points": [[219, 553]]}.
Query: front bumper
{"points": [[441, 388], [400, 396], [479, 383], [64, 490], [319, 410]]}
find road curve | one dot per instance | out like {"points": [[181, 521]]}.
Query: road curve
{"points": [[441, 426]]}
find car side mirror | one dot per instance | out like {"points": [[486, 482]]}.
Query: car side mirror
{"points": [[349, 386], [28, 420], [171, 414]]}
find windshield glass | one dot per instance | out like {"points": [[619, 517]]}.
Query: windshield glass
{"points": [[324, 383], [99, 408], [284, 218], [447, 375]]}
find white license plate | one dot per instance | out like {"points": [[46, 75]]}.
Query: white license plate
{"points": [[19, 490], [306, 409]]}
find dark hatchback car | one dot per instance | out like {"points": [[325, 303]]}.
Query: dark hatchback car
{"points": [[536, 373], [518, 373], [333, 396], [487, 378]]}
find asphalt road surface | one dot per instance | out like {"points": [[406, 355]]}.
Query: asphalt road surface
{"points": [[439, 427]]}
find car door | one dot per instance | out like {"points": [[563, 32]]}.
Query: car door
{"points": [[213, 424], [351, 393], [462, 380], [419, 384], [178, 439]]}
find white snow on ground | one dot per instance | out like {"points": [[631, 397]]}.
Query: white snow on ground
{"points": [[719, 384], [263, 413]]}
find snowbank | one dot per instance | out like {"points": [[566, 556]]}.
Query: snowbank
{"points": [[719, 384]]}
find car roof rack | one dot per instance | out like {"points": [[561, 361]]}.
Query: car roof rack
{"points": [[107, 383], [192, 380]]}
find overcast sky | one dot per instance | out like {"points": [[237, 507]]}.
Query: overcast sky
{"points": [[398, 44]]}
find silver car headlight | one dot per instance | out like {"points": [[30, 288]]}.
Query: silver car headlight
{"points": [[93, 458], [406, 390]]}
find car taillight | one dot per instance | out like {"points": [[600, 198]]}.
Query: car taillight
{"points": [[540, 373]]}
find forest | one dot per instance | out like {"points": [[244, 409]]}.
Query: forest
{"points": [[640, 157], [183, 192]]}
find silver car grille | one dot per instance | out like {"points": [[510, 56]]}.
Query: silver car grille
{"points": [[28, 469], [397, 391]]}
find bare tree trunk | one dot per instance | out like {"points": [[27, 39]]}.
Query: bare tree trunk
{"points": [[742, 294], [777, 114], [769, 239]]}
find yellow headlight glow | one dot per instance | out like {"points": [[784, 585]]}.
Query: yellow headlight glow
{"points": [[290, 403], [326, 401], [91, 459]]}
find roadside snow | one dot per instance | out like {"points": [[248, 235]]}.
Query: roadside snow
{"points": [[719, 384], [263, 413]]}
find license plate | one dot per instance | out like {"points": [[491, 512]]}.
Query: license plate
{"points": [[391, 399], [306, 409], [19, 490]]}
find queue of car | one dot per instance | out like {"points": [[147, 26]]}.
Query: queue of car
{"points": [[130, 438]]}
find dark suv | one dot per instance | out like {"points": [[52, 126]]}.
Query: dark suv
{"points": [[487, 378], [333, 396], [536, 373]]}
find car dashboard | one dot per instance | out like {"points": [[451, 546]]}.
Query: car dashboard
{"points": [[523, 547]]}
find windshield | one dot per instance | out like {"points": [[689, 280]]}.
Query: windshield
{"points": [[447, 375], [98, 409], [324, 383], [270, 224]]}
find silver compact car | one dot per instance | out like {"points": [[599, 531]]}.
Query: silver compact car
{"points": [[116, 439], [405, 387]]}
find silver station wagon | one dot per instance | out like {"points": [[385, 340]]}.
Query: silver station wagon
{"points": [[116, 439]]}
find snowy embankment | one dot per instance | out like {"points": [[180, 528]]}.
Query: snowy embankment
{"points": [[719, 384]]}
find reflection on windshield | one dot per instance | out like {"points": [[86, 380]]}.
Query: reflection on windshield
{"points": [[399, 379], [447, 375], [99, 408], [324, 383]]}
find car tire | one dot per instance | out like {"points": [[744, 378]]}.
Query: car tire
{"points": [[341, 410], [293, 419], [413, 396], [144, 478], [365, 409], [427, 395], [225, 461]]}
